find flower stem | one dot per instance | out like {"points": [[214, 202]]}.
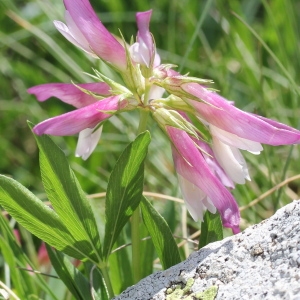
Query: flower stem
{"points": [[143, 121], [135, 219]]}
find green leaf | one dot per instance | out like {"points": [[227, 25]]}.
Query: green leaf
{"points": [[36, 217], [124, 190], [211, 229], [161, 235], [74, 280], [68, 198], [15, 257]]}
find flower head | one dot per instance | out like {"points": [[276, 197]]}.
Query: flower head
{"points": [[197, 178], [85, 30], [206, 151]]}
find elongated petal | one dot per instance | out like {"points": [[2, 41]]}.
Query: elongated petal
{"points": [[80, 119], [208, 155], [100, 40], [66, 32], [225, 116], [276, 124], [214, 165], [209, 205], [235, 141], [144, 37], [231, 161], [143, 22], [80, 38], [144, 50], [156, 92], [69, 93], [193, 197], [190, 164], [87, 142]]}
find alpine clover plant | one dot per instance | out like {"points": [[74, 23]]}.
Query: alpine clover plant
{"points": [[206, 151]]}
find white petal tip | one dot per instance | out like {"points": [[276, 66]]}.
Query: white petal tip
{"points": [[254, 152]]}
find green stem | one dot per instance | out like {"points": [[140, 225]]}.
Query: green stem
{"points": [[135, 240], [105, 275], [147, 91], [143, 121], [135, 219]]}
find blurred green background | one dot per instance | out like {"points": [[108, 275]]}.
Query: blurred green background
{"points": [[249, 48]]}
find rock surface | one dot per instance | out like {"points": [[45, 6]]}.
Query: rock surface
{"points": [[262, 262]]}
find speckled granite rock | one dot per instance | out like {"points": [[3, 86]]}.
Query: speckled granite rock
{"points": [[262, 262]]}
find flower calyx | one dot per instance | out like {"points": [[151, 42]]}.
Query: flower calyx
{"points": [[115, 88], [167, 117], [132, 77]]}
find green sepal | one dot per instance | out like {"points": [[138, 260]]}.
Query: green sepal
{"points": [[168, 117], [133, 76], [116, 88]]}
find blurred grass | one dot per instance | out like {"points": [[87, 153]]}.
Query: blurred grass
{"points": [[249, 48]]}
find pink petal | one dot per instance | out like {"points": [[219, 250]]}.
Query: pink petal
{"points": [[100, 40], [80, 119], [276, 124], [80, 38], [208, 155], [190, 164], [225, 116], [66, 32], [143, 50], [69, 93], [144, 37], [214, 165], [140, 53]]}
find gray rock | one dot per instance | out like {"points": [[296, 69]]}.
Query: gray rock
{"points": [[262, 262]]}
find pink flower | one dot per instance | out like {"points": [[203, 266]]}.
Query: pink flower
{"points": [[86, 31], [233, 129], [85, 119], [207, 157], [200, 187], [227, 117], [143, 51]]}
